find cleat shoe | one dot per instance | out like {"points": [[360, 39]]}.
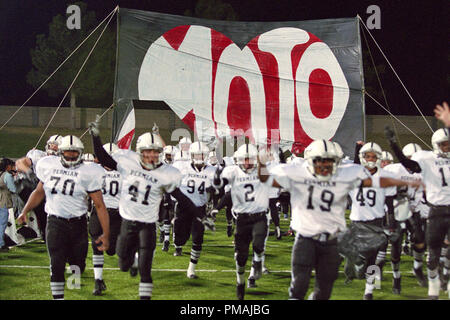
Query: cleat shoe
{"points": [[229, 230], [257, 266], [209, 224], [278, 233], [251, 283], [191, 274], [368, 296], [265, 270], [312, 296], [420, 277], [214, 213], [396, 287], [99, 287], [133, 271], [240, 291], [433, 288], [166, 246], [178, 252]]}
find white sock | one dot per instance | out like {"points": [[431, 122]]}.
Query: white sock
{"points": [[136, 260], [240, 272], [98, 261]]}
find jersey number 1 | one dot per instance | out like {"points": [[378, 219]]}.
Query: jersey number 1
{"points": [[444, 183]]}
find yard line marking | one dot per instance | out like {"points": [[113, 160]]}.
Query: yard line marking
{"points": [[168, 270]]}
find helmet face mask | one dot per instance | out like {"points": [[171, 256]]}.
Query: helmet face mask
{"points": [[199, 153], [370, 155], [440, 143], [246, 157], [323, 158], [71, 151], [51, 147], [149, 146], [169, 153]]}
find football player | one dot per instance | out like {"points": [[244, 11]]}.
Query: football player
{"points": [[319, 190], [368, 205], [434, 167], [111, 190], [407, 222], [27, 166], [66, 182], [183, 147], [196, 184], [386, 158], [167, 205], [250, 200], [144, 181]]}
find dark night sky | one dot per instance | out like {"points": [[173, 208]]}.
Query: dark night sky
{"points": [[413, 35]]}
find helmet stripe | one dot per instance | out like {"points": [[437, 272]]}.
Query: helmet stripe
{"points": [[325, 144]]}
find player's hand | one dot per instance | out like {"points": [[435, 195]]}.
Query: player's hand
{"points": [[155, 129], [22, 218], [104, 240], [389, 134], [94, 127], [263, 156], [443, 113], [361, 143]]}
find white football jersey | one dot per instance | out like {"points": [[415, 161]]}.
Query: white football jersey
{"points": [[112, 188], [229, 161], [402, 208], [194, 183], [66, 189], [368, 203], [142, 190], [248, 193], [318, 206], [274, 192], [436, 176], [35, 155]]}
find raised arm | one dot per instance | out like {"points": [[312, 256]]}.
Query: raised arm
{"points": [[412, 165], [103, 157]]}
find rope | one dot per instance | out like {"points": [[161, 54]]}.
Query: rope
{"points": [[76, 77], [381, 86], [101, 116], [397, 119], [401, 82], [20, 108]]}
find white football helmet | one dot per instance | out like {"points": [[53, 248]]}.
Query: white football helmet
{"points": [[169, 150], [370, 147], [339, 151], [71, 143], [212, 158], [439, 136], [149, 141], [110, 148], [387, 156], [88, 157], [246, 151], [185, 144], [320, 150], [199, 152], [410, 149], [53, 140]]}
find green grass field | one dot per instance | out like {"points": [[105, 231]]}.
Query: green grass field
{"points": [[24, 275]]}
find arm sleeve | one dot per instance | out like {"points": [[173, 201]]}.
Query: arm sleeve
{"points": [[356, 159], [103, 157], [280, 175], [390, 218], [407, 163], [184, 202]]}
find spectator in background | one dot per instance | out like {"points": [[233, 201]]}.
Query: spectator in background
{"points": [[5, 201], [10, 181]]}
